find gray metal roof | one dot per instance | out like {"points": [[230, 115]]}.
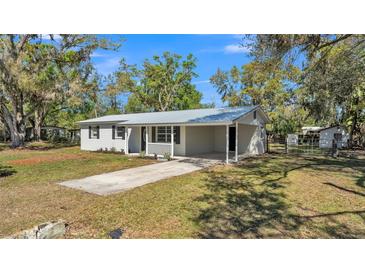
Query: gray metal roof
{"points": [[191, 116]]}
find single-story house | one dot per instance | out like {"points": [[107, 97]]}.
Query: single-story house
{"points": [[337, 134], [180, 133]]}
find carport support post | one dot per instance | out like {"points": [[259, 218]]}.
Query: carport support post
{"points": [[172, 141], [227, 143], [236, 145], [126, 141], [146, 140]]}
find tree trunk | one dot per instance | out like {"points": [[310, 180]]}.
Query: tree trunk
{"points": [[37, 126], [354, 123], [16, 125]]}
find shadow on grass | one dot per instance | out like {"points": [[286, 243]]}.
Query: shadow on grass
{"points": [[6, 171], [249, 202], [345, 189]]}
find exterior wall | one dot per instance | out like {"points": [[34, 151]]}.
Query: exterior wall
{"points": [[252, 134], [255, 139], [106, 141], [159, 148], [209, 139], [249, 119], [220, 139], [199, 140], [134, 141], [327, 135], [180, 149], [194, 140]]}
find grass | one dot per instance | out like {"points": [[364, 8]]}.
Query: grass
{"points": [[271, 196]]}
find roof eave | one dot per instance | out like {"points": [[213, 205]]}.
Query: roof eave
{"points": [[255, 108], [221, 123]]}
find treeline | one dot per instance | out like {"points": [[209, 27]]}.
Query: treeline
{"points": [[298, 79], [46, 77], [302, 80]]}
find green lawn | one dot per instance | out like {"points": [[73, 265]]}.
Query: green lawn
{"points": [[272, 196]]}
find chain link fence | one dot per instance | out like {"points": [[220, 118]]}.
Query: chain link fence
{"points": [[304, 144]]}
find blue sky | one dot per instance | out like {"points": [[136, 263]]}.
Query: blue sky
{"points": [[212, 52]]}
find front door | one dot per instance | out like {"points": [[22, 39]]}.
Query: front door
{"points": [[143, 138], [232, 139]]}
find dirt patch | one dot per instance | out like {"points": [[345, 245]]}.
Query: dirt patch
{"points": [[45, 159]]}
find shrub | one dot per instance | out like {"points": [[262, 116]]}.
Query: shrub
{"points": [[122, 151], [113, 149], [142, 154], [167, 156]]}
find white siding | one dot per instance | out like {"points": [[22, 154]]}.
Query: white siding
{"points": [[106, 141], [220, 139], [249, 120], [249, 139], [199, 139], [179, 149], [256, 144], [134, 139], [211, 139], [159, 149], [194, 140]]}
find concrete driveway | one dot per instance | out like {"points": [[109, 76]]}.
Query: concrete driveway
{"points": [[114, 182]]}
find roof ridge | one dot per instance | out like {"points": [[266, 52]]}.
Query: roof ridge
{"points": [[222, 113], [149, 112]]}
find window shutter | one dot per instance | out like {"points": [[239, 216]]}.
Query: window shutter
{"points": [[98, 131], [153, 134], [123, 133], [254, 115], [177, 135], [89, 132], [113, 134]]}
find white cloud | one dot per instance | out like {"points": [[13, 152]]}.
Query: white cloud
{"points": [[48, 37], [108, 66], [235, 48], [96, 54], [201, 82]]}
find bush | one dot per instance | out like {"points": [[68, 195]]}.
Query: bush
{"points": [[59, 139], [167, 156], [142, 154], [122, 151], [113, 149]]}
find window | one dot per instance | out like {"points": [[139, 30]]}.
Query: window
{"points": [[163, 134], [118, 132], [121, 132], [94, 132]]}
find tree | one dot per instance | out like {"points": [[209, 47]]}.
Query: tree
{"points": [[229, 86], [332, 73], [334, 90], [33, 72], [266, 84], [111, 94], [160, 85]]}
